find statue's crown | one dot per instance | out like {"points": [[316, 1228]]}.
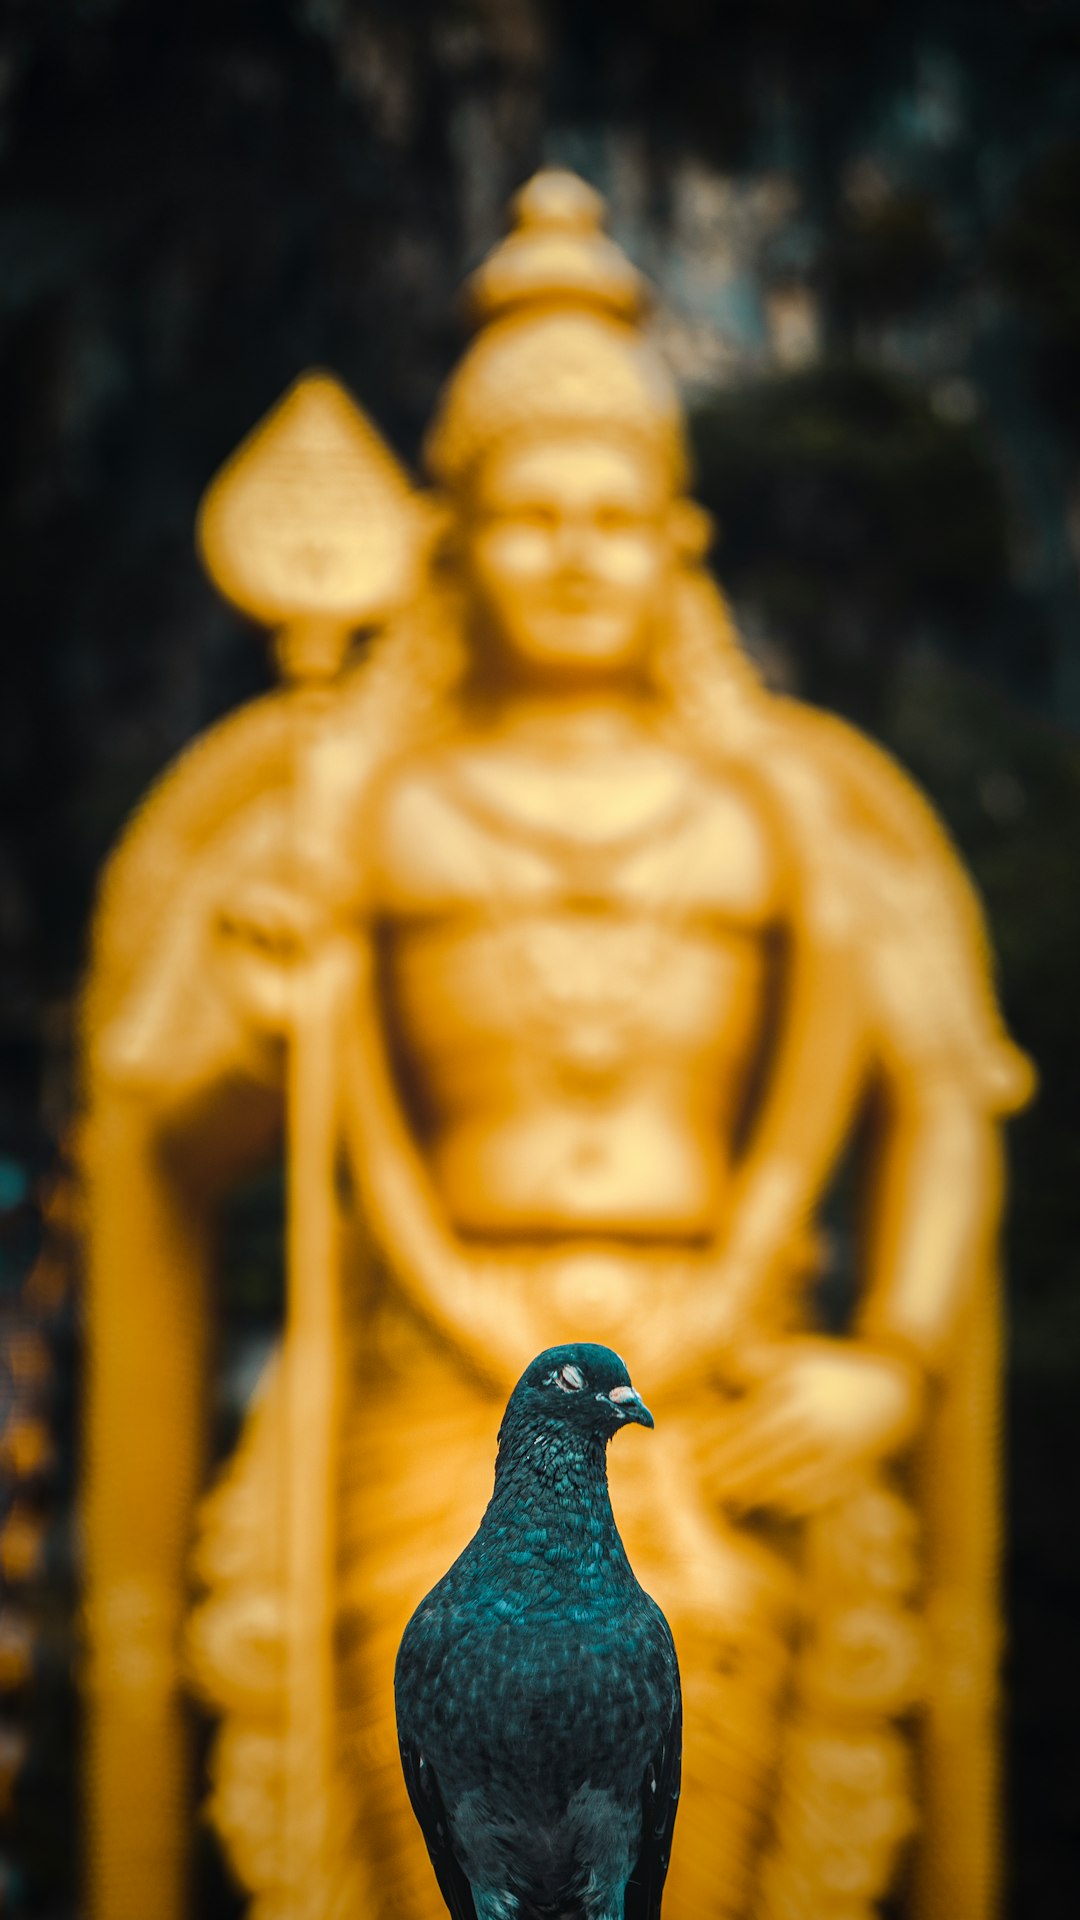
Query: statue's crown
{"points": [[558, 346], [556, 254], [312, 526]]}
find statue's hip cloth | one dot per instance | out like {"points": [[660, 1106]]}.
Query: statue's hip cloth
{"points": [[415, 1459]]}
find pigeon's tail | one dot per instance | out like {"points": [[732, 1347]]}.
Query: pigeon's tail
{"points": [[560, 1911], [513, 1907]]}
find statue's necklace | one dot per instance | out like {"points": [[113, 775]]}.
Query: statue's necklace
{"points": [[584, 869]]}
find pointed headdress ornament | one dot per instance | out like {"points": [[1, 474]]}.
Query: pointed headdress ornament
{"points": [[559, 345]]}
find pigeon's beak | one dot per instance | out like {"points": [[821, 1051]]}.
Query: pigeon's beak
{"points": [[630, 1406]]}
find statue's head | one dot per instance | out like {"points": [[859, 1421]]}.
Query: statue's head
{"points": [[559, 442]]}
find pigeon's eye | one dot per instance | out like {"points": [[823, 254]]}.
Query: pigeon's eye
{"points": [[570, 1379]]}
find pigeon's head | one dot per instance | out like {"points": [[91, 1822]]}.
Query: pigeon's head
{"points": [[583, 1387]]}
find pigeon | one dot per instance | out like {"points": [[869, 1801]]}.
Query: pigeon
{"points": [[537, 1688]]}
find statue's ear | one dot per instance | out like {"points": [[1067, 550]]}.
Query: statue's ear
{"points": [[439, 528], [693, 529]]}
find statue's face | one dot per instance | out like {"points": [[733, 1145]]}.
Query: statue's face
{"points": [[568, 549]]}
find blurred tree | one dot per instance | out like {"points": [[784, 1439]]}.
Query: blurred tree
{"points": [[884, 256], [1036, 256], [852, 517]]}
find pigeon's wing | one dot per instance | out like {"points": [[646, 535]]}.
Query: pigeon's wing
{"points": [[427, 1804], [659, 1805]]}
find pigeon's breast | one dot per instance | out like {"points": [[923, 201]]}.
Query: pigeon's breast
{"points": [[561, 1695]]}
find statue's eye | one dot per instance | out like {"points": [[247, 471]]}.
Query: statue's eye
{"points": [[570, 1379]]}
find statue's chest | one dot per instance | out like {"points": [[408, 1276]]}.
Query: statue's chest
{"points": [[593, 946], [577, 873]]}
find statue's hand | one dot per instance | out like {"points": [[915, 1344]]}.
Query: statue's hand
{"points": [[824, 1411], [700, 1323], [263, 934]]}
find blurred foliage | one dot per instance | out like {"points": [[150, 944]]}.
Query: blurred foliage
{"points": [[1037, 258], [851, 514], [885, 256], [689, 75]]}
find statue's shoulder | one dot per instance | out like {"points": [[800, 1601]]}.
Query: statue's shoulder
{"points": [[857, 781], [413, 790], [404, 799], [881, 862], [420, 845], [830, 787], [231, 764], [220, 788], [857, 807]]}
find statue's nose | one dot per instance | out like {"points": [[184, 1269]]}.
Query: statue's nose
{"points": [[575, 541]]}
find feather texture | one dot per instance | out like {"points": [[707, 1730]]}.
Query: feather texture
{"points": [[537, 1687]]}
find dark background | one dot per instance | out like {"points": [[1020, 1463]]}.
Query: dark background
{"points": [[864, 221]]}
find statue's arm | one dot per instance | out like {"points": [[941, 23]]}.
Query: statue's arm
{"points": [[935, 1188], [929, 1064], [817, 1407], [822, 1408], [942, 1070], [818, 1069], [816, 1073], [934, 1175], [193, 1033]]}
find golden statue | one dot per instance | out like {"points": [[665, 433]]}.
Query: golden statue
{"points": [[563, 963]]}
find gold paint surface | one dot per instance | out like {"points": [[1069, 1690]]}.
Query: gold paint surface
{"points": [[561, 960], [310, 524]]}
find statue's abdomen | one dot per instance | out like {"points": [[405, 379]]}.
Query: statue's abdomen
{"points": [[575, 1070]]}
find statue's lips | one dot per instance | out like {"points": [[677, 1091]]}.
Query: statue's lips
{"points": [[579, 607]]}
